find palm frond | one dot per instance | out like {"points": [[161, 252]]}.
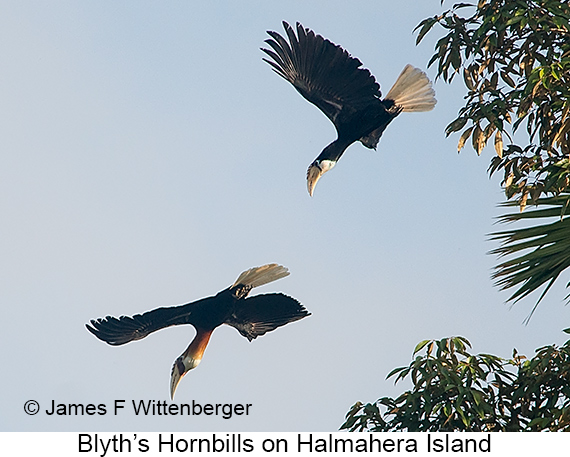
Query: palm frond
{"points": [[539, 253]]}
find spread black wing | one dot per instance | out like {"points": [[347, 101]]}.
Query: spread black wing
{"points": [[121, 330], [324, 73], [258, 315]]}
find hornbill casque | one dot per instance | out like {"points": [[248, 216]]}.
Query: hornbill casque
{"points": [[330, 78], [252, 317]]}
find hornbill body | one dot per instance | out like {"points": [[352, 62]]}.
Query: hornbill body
{"points": [[330, 78], [252, 317]]}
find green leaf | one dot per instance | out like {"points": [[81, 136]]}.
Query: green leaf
{"points": [[426, 25], [395, 371], [420, 346], [456, 125], [514, 20], [506, 77]]}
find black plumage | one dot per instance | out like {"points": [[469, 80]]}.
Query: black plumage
{"points": [[251, 316], [333, 80]]}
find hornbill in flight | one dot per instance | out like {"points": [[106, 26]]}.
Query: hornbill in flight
{"points": [[252, 317], [330, 78]]}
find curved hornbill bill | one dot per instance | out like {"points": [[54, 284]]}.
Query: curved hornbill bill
{"points": [[252, 317], [330, 78]]}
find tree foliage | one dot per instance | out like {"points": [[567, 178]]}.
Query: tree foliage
{"points": [[514, 57], [454, 390]]}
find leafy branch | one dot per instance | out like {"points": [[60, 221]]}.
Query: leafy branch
{"points": [[454, 390], [514, 57]]}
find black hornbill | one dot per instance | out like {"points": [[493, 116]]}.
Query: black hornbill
{"points": [[252, 317], [330, 78]]}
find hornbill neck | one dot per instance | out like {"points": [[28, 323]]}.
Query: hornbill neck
{"points": [[334, 151], [190, 358], [325, 161]]}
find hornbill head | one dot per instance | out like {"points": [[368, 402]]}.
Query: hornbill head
{"points": [[317, 169]]}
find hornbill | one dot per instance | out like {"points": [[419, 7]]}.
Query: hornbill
{"points": [[252, 317], [330, 78]]}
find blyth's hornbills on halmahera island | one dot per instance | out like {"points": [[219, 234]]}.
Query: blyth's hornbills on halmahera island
{"points": [[330, 78], [252, 317]]}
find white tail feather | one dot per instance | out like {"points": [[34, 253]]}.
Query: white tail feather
{"points": [[412, 91], [258, 276]]}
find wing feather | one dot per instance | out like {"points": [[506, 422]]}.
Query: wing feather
{"points": [[120, 330], [324, 73], [260, 314]]}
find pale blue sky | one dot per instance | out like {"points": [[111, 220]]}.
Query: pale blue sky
{"points": [[149, 156]]}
